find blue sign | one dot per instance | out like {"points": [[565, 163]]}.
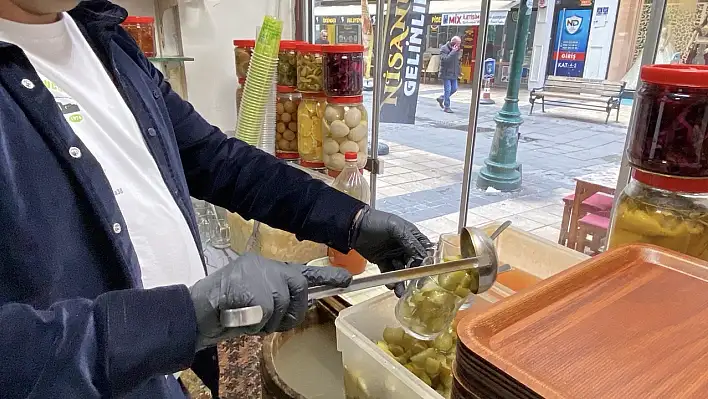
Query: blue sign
{"points": [[489, 68], [571, 42]]}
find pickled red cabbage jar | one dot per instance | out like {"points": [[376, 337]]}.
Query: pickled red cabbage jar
{"points": [[663, 210], [243, 49], [671, 132], [343, 69], [142, 29]]}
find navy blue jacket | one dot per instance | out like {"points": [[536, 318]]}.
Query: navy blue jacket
{"points": [[449, 62], [74, 321]]}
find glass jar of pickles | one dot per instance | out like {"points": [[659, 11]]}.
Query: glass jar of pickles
{"points": [[142, 29], [287, 63], [671, 131], [286, 106], [309, 122], [309, 68], [346, 129], [243, 49], [343, 69], [662, 210]]}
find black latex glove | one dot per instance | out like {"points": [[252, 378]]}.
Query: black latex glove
{"points": [[280, 289], [389, 242]]}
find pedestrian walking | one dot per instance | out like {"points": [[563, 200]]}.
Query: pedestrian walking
{"points": [[449, 70]]}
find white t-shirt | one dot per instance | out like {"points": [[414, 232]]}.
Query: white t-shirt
{"points": [[99, 116]]}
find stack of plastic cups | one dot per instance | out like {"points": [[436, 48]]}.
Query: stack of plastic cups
{"points": [[267, 138], [259, 85]]}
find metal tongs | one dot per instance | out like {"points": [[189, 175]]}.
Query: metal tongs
{"points": [[477, 249]]}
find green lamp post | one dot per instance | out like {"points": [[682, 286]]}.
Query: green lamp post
{"points": [[501, 171]]}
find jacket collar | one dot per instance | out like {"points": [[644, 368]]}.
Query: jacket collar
{"points": [[95, 16]]}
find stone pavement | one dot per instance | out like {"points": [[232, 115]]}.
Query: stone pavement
{"points": [[423, 172]]}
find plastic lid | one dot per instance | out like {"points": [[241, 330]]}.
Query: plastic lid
{"points": [[139, 20], [672, 183], [286, 89], [343, 48], [350, 156], [676, 75], [346, 100], [309, 48], [289, 44], [244, 43]]}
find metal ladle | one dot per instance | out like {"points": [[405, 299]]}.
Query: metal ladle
{"points": [[477, 250]]}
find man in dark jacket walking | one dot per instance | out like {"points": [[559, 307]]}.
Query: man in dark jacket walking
{"points": [[103, 290], [449, 71]]}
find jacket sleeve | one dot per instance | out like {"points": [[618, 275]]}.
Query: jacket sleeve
{"points": [[445, 55], [102, 348], [234, 175]]}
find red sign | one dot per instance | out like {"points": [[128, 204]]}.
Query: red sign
{"points": [[568, 56]]}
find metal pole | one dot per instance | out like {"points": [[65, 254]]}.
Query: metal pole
{"points": [[474, 108], [379, 47], [651, 45], [306, 20]]}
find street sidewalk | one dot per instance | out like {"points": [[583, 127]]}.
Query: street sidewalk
{"points": [[423, 172]]}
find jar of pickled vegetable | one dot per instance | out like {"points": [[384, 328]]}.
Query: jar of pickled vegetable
{"points": [[663, 210], [346, 129], [309, 122], [239, 94], [286, 128], [671, 131], [287, 63], [142, 29], [243, 49], [343, 69], [309, 68]]}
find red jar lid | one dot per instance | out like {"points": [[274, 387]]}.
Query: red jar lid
{"points": [[676, 75], [244, 43], [242, 81], [320, 94], [311, 164], [286, 89], [346, 100], [672, 183], [343, 48], [309, 48], [139, 20], [289, 44]]}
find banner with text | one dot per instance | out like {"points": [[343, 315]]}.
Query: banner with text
{"points": [[571, 42], [406, 27], [472, 18]]}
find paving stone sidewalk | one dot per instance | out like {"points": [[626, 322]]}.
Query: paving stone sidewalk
{"points": [[423, 172]]}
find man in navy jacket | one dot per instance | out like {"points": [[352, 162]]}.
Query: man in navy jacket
{"points": [[99, 294]]}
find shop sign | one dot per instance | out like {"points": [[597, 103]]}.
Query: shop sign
{"points": [[348, 34], [406, 27], [472, 18], [571, 42], [436, 19], [342, 19], [489, 68]]}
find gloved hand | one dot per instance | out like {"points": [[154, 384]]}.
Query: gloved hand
{"points": [[388, 241], [280, 289]]}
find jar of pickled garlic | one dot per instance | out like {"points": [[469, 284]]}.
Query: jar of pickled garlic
{"points": [[343, 69], [142, 29], [239, 94], [346, 129], [287, 63], [309, 68], [663, 210], [286, 128], [670, 135], [243, 49], [309, 134]]}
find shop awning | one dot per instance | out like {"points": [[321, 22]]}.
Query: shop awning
{"points": [[436, 7]]}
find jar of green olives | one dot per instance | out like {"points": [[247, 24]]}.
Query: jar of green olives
{"points": [[287, 63], [345, 128], [286, 127], [243, 49], [309, 68]]}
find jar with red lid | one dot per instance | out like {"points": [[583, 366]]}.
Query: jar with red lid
{"points": [[671, 131], [287, 103], [142, 29], [309, 136], [345, 128], [667, 211], [287, 63], [343, 69], [309, 68], [243, 49]]}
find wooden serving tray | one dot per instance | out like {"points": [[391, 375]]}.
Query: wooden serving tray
{"points": [[630, 323]]}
